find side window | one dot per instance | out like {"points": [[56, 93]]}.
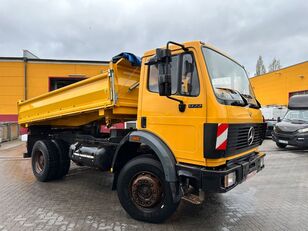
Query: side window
{"points": [[189, 81], [56, 82], [184, 76], [153, 75]]}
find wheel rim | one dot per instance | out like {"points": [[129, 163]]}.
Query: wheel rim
{"points": [[39, 162], [146, 190]]}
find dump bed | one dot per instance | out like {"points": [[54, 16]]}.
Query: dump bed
{"points": [[111, 96]]}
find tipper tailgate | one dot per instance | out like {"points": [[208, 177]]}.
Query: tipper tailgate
{"points": [[81, 97], [104, 95]]}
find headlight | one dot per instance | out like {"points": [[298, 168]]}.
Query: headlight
{"points": [[230, 179], [302, 130], [274, 129]]}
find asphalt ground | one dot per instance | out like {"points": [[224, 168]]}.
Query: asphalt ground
{"points": [[274, 199]]}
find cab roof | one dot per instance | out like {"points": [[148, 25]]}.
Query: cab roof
{"points": [[298, 102], [195, 44]]}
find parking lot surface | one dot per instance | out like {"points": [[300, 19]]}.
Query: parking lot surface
{"points": [[274, 199]]}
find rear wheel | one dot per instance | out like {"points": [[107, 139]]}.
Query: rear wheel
{"points": [[143, 191], [45, 160], [280, 145]]}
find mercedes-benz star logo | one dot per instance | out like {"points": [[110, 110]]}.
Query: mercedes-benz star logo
{"points": [[251, 135]]}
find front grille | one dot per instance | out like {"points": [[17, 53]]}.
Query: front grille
{"points": [[284, 136], [238, 137]]}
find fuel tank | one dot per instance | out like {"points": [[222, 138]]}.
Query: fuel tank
{"points": [[92, 156]]}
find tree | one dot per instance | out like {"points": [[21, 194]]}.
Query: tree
{"points": [[260, 68], [274, 65]]}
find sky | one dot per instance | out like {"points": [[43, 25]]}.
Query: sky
{"points": [[98, 29]]}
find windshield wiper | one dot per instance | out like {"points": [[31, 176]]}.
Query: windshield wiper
{"points": [[253, 106], [236, 103], [244, 98], [247, 96]]}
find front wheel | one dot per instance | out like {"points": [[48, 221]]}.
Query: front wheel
{"points": [[143, 191], [280, 145]]}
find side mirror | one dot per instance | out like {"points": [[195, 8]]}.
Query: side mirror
{"points": [[278, 119], [163, 58]]}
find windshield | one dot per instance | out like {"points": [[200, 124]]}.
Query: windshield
{"points": [[296, 116], [228, 78]]}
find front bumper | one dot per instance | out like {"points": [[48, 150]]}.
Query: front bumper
{"points": [[213, 180], [293, 139]]}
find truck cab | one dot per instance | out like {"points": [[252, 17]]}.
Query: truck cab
{"points": [[198, 128], [196, 104], [218, 98]]}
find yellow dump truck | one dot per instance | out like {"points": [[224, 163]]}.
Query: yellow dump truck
{"points": [[198, 127]]}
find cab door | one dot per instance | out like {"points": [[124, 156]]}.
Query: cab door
{"points": [[181, 131]]}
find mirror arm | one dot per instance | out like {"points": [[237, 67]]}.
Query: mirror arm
{"points": [[258, 103], [182, 105], [177, 44]]}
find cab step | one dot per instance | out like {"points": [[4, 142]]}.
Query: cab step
{"points": [[194, 199]]}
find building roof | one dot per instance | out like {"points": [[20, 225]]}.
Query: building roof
{"points": [[281, 69], [53, 60]]}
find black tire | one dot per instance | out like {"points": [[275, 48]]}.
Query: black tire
{"points": [[280, 145], [162, 207], [65, 162], [45, 160], [78, 164]]}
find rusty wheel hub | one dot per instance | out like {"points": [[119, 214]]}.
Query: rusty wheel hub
{"points": [[39, 162], [146, 190]]}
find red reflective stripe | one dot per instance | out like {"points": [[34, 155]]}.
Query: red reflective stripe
{"points": [[222, 136], [221, 128], [223, 146]]}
